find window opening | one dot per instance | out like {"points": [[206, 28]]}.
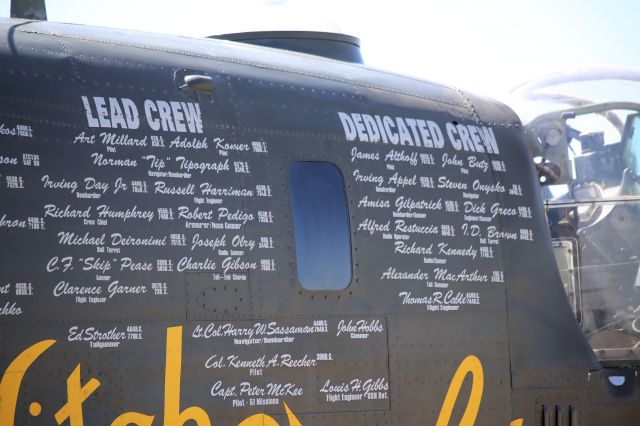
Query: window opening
{"points": [[321, 225]]}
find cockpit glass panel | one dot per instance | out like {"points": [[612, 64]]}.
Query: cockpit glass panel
{"points": [[593, 212], [589, 158], [631, 142], [583, 133], [599, 258]]}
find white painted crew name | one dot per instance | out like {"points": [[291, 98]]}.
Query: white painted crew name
{"points": [[106, 212], [113, 113], [51, 210], [416, 132], [12, 223], [72, 239], [392, 274]]}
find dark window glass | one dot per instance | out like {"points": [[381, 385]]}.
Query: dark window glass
{"points": [[321, 225]]}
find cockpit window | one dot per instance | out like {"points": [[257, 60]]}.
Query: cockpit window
{"points": [[588, 162], [631, 142], [321, 225]]}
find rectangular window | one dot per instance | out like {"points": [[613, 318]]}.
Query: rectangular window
{"points": [[321, 225]]}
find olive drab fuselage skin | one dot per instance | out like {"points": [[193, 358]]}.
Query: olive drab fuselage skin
{"points": [[152, 258]]}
